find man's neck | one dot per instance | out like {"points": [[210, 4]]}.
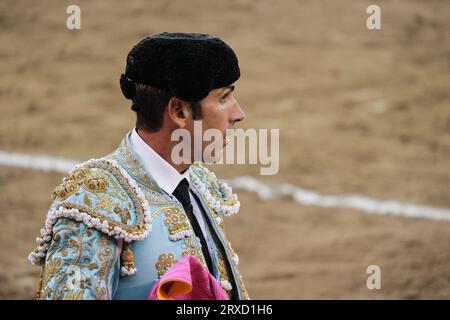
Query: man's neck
{"points": [[161, 143]]}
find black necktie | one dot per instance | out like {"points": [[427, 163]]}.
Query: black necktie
{"points": [[182, 194]]}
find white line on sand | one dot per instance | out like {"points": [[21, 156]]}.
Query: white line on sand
{"points": [[352, 201], [264, 191], [37, 162]]}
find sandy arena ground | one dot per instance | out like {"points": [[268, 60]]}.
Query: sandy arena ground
{"points": [[359, 111]]}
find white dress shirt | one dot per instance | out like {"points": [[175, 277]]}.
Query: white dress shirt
{"points": [[167, 177]]}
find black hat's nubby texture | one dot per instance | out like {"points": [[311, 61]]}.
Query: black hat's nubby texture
{"points": [[187, 65]]}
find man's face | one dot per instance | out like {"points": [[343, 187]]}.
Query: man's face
{"points": [[220, 111]]}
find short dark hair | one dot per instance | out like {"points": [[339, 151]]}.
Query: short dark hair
{"points": [[149, 104]]}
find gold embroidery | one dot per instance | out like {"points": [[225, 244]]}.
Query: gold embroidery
{"points": [[176, 220], [72, 282], [124, 214], [134, 167], [133, 229], [209, 210], [230, 248], [153, 192], [222, 269], [130, 191], [91, 181], [92, 266], [65, 189], [157, 199], [39, 292], [215, 187], [95, 182], [70, 184], [224, 272], [192, 250], [106, 262], [77, 246], [80, 174], [53, 266], [56, 237], [75, 295], [245, 295], [106, 203], [165, 261], [86, 200], [117, 192], [224, 275], [127, 256], [51, 269], [72, 181]]}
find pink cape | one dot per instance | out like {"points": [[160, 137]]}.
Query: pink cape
{"points": [[188, 279]]}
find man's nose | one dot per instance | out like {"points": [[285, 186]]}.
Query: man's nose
{"points": [[238, 114]]}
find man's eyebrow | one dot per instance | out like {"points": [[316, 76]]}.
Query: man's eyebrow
{"points": [[231, 88]]}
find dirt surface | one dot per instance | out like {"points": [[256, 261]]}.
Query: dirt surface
{"points": [[359, 111]]}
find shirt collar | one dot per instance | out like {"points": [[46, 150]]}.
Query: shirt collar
{"points": [[166, 176]]}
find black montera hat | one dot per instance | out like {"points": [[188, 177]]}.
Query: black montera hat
{"points": [[187, 65]]}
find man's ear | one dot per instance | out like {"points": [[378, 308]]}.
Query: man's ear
{"points": [[178, 111]]}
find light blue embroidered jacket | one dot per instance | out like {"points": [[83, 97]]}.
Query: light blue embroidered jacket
{"points": [[111, 232]]}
